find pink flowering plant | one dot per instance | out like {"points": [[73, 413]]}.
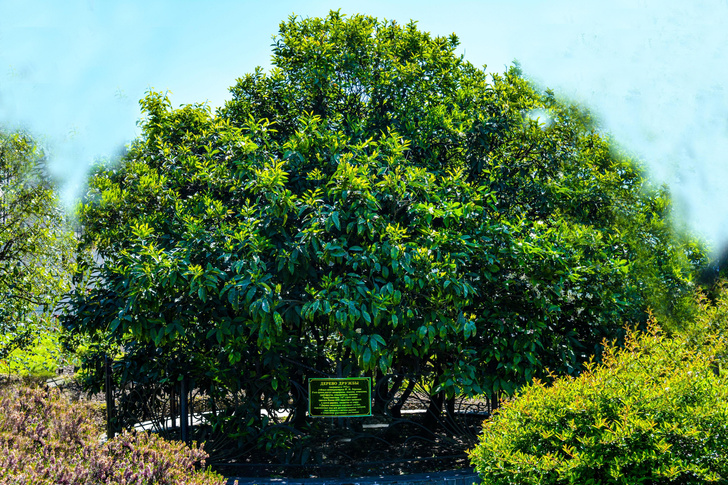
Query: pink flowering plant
{"points": [[46, 439]]}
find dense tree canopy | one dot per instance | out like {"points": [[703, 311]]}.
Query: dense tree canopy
{"points": [[372, 205], [36, 246]]}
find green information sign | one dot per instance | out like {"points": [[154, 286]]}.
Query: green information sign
{"points": [[339, 398]]}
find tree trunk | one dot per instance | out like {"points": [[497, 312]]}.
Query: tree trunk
{"points": [[381, 393], [434, 411], [396, 409], [494, 401], [300, 403], [450, 422], [388, 396]]}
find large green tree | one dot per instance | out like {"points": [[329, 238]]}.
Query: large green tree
{"points": [[36, 245], [373, 205]]}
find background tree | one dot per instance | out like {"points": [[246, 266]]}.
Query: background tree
{"points": [[374, 205], [36, 245]]}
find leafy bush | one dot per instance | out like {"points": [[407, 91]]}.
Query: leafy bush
{"points": [[655, 411], [41, 358], [45, 439], [711, 315]]}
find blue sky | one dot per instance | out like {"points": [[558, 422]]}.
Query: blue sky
{"points": [[654, 71]]}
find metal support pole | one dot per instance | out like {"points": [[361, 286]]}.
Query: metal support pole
{"points": [[339, 421], [173, 407], [110, 429], [183, 411]]}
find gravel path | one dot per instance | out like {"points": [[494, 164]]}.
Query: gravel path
{"points": [[458, 477]]}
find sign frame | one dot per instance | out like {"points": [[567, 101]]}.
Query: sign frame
{"points": [[315, 387]]}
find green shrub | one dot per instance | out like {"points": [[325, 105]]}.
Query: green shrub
{"points": [[655, 411], [45, 439], [40, 358], [711, 317]]}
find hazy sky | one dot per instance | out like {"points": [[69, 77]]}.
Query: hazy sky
{"points": [[654, 72]]}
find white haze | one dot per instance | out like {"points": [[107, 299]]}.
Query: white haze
{"points": [[655, 74]]}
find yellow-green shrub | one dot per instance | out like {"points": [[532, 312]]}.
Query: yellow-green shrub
{"points": [[41, 357], [653, 412]]}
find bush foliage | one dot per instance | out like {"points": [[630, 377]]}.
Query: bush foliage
{"points": [[41, 357], [655, 411], [45, 439]]}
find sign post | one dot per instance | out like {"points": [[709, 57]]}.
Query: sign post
{"points": [[340, 398]]}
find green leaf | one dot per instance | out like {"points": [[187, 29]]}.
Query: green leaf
{"points": [[114, 324], [233, 297], [384, 364], [379, 339], [367, 356], [469, 329]]}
